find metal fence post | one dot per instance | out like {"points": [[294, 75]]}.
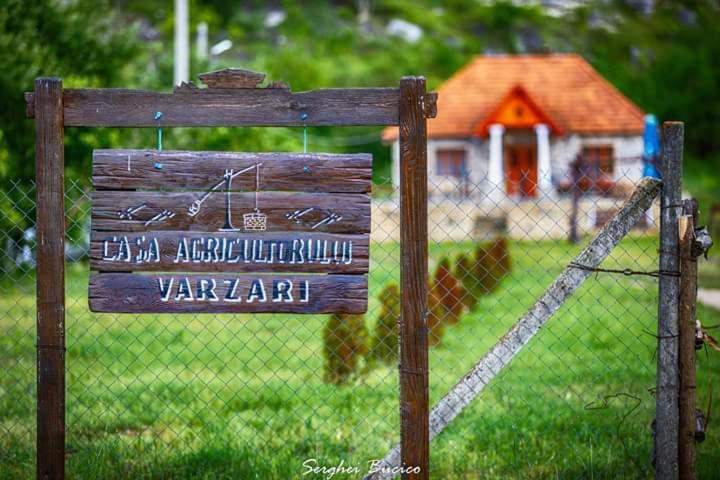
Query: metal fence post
{"points": [[49, 174], [667, 380]]}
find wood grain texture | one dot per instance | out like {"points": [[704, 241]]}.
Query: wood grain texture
{"points": [[220, 256], [228, 107], [353, 211], [232, 78], [667, 388], [414, 400], [135, 293], [686, 350], [170, 170], [49, 177]]}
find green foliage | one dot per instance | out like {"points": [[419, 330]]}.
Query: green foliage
{"points": [[344, 344], [667, 60], [384, 342], [80, 41]]}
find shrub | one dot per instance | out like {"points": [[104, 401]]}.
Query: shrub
{"points": [[344, 343], [499, 255], [384, 343], [450, 293], [483, 271], [464, 273], [436, 326]]}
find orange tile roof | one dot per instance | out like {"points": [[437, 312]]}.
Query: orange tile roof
{"points": [[564, 86]]}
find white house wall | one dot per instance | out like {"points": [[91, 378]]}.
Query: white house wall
{"points": [[626, 149]]}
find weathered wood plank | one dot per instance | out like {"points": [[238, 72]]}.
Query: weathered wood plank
{"points": [[49, 177], [667, 389], [686, 349], [414, 392], [212, 293], [228, 107], [304, 172], [232, 78], [229, 251], [502, 353], [153, 211]]}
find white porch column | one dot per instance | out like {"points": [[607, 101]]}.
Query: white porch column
{"points": [[495, 167], [543, 156]]}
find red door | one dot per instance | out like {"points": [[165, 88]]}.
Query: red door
{"points": [[520, 170]]}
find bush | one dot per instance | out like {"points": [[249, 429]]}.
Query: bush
{"points": [[483, 271], [384, 343], [344, 343], [464, 273], [445, 305], [450, 292], [499, 256], [436, 326]]}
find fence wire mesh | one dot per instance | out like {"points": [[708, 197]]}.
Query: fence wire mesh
{"points": [[294, 396]]}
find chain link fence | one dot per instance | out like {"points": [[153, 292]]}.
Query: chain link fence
{"points": [[298, 396]]}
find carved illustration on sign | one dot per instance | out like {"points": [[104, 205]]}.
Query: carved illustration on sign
{"points": [[129, 214], [164, 215], [313, 217], [255, 221]]}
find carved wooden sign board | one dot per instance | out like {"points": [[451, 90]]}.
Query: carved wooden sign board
{"points": [[196, 232]]}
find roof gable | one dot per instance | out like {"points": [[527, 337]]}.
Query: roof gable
{"points": [[576, 97], [517, 110]]}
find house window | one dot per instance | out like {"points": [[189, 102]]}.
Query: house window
{"points": [[599, 158], [451, 163]]}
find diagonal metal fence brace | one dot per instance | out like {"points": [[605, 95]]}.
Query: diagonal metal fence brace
{"points": [[508, 346]]}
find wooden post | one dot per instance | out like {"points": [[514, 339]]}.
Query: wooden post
{"points": [[49, 174], [667, 380], [414, 401], [688, 298]]}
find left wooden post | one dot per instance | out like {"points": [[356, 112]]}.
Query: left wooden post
{"points": [[50, 224]]}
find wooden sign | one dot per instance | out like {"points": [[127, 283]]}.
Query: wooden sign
{"points": [[203, 231]]}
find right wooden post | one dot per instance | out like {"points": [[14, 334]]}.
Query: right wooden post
{"points": [[686, 349], [667, 380], [414, 400]]}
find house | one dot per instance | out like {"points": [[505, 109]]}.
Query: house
{"points": [[511, 126]]}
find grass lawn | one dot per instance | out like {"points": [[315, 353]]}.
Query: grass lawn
{"points": [[242, 397]]}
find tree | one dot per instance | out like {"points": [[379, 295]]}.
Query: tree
{"points": [[80, 41]]}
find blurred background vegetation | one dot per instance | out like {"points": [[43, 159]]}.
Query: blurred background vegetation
{"points": [[663, 54]]}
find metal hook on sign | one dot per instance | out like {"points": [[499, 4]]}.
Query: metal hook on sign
{"points": [[303, 117], [158, 116]]}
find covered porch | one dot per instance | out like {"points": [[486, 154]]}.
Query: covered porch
{"points": [[519, 164]]}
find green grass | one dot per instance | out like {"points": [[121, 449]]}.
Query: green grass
{"points": [[242, 397]]}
